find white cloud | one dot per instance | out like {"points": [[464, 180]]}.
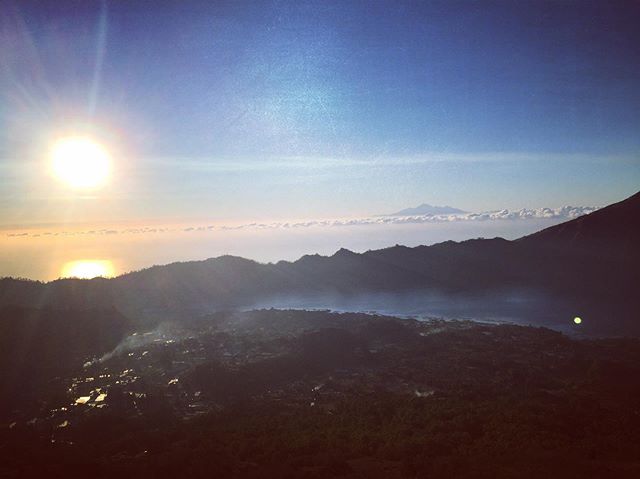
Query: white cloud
{"points": [[564, 213], [275, 162]]}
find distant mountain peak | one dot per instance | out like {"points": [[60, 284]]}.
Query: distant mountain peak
{"points": [[427, 209]]}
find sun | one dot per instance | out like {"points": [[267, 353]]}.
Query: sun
{"points": [[87, 269], [80, 162]]}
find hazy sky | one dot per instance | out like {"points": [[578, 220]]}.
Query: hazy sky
{"points": [[278, 109]]}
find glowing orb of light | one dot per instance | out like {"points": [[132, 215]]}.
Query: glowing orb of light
{"points": [[87, 269], [577, 320], [80, 162]]}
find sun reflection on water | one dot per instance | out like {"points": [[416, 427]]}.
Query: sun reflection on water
{"points": [[87, 269]]}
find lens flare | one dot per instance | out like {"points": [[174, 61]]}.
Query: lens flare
{"points": [[80, 162], [87, 269]]}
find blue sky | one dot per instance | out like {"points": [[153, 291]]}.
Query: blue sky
{"points": [[291, 109]]}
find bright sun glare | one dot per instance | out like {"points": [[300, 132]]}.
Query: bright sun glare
{"points": [[87, 269], [80, 162]]}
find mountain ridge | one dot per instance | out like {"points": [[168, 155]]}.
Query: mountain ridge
{"points": [[429, 210]]}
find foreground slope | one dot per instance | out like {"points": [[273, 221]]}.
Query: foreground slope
{"points": [[312, 394], [615, 228], [37, 345]]}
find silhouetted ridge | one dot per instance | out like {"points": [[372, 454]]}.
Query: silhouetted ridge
{"points": [[344, 253]]}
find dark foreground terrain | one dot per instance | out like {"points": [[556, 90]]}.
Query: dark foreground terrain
{"points": [[312, 394]]}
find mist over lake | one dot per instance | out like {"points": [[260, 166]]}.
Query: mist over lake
{"points": [[518, 306]]}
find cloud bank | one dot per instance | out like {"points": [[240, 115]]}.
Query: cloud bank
{"points": [[564, 213]]}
